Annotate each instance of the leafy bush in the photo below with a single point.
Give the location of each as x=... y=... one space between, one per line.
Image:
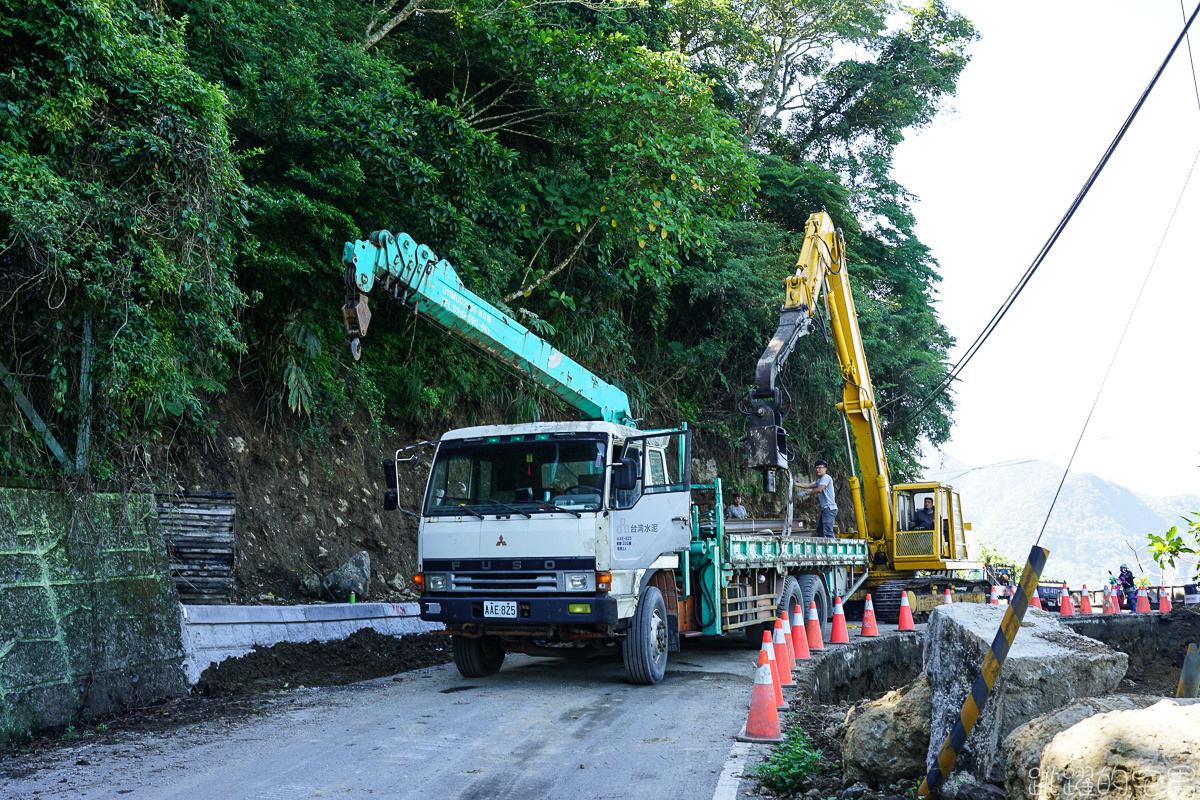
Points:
x=790 y=764
x=1173 y=547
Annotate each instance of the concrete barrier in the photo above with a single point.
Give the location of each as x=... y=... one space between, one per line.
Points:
x=212 y=634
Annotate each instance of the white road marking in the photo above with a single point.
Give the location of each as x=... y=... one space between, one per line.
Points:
x=731 y=775
x=286 y=792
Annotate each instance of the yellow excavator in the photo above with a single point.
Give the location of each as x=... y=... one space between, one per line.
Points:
x=914 y=548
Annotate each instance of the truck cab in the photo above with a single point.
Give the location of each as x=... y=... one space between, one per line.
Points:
x=545 y=531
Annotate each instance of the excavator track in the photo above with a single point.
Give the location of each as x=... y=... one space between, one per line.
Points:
x=924 y=595
x=886 y=600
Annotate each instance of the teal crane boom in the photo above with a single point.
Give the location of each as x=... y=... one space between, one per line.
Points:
x=412 y=274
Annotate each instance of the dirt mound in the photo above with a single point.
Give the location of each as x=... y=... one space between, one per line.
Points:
x=364 y=655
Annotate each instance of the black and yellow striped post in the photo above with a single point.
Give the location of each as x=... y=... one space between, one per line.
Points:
x=992 y=662
x=1189 y=679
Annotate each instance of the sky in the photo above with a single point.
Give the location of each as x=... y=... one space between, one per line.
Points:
x=1047 y=89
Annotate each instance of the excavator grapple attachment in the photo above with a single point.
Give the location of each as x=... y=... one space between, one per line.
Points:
x=356 y=314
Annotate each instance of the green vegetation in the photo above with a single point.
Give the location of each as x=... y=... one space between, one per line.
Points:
x=629 y=180
x=121 y=210
x=1174 y=546
x=790 y=764
x=993 y=559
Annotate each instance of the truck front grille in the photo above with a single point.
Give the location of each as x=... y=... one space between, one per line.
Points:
x=501 y=582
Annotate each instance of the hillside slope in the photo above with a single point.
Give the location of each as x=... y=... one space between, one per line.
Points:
x=1090 y=532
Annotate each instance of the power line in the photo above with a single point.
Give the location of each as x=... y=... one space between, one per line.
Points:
x=1191 y=59
x=1120 y=341
x=954 y=372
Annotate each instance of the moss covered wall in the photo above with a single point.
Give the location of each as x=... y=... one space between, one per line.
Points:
x=89 y=620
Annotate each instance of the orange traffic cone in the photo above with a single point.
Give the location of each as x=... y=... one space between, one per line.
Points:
x=1067 y=607
x=1110 y=601
x=769 y=648
x=1085 y=601
x=868 y=627
x=781 y=655
x=812 y=628
x=1164 y=600
x=906 y=620
x=1143 y=601
x=800 y=640
x=839 y=635
x=1036 y=600
x=947 y=601
x=763 y=723
x=787 y=638
x=995 y=597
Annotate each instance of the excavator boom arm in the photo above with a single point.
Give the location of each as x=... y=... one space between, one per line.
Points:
x=821 y=274
x=822 y=249
x=414 y=275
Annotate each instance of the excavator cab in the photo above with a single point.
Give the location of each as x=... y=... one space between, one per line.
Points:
x=930 y=532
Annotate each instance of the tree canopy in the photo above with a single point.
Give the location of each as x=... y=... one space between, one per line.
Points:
x=630 y=180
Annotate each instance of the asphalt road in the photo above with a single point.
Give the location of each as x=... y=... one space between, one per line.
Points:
x=540 y=728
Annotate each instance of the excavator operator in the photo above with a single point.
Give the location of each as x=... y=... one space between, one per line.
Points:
x=923 y=517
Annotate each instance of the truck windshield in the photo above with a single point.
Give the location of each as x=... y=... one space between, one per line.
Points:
x=534 y=476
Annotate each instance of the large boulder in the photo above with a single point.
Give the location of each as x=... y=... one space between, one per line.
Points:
x=353 y=576
x=1023 y=747
x=1148 y=753
x=1047 y=667
x=885 y=740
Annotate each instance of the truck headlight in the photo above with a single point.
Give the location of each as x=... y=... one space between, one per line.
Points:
x=435 y=582
x=578 y=581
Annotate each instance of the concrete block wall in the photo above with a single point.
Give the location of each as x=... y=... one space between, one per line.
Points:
x=213 y=633
x=89 y=619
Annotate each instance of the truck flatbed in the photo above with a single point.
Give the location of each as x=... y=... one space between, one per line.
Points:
x=761 y=549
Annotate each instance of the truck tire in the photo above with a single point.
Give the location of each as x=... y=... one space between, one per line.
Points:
x=812 y=590
x=646 y=644
x=790 y=596
x=477 y=658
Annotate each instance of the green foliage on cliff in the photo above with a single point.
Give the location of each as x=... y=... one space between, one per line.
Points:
x=121 y=207
x=630 y=181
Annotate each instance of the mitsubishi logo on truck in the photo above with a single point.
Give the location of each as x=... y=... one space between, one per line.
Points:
x=502 y=542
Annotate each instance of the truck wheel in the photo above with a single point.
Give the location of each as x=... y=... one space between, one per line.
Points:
x=812 y=590
x=645 y=647
x=789 y=597
x=477 y=658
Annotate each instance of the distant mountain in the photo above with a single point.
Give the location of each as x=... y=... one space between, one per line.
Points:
x=1089 y=533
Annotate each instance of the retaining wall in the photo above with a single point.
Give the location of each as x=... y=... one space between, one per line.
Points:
x=89 y=619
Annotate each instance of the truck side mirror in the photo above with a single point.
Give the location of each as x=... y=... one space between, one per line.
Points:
x=625 y=475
